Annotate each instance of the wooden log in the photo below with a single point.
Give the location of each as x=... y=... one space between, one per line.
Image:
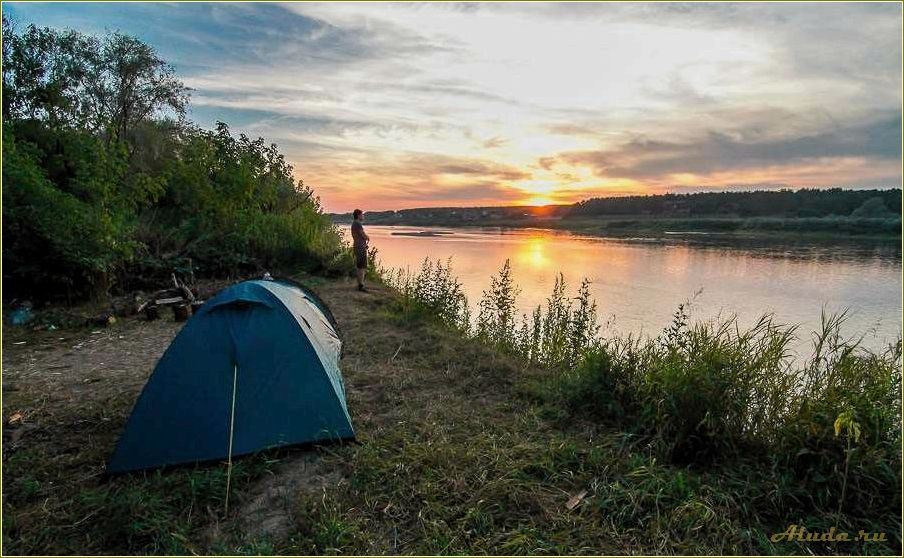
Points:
x=187 y=294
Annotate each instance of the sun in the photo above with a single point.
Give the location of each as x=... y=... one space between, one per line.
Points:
x=537 y=192
x=538 y=201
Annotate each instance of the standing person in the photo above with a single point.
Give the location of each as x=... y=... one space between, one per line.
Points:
x=359 y=243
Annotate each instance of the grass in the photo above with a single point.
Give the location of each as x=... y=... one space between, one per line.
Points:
x=464 y=449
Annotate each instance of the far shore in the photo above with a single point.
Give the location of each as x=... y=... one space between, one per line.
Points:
x=422 y=233
x=825 y=228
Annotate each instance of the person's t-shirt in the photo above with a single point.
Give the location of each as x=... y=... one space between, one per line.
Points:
x=358 y=234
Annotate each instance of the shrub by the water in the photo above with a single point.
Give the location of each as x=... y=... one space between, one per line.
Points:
x=827 y=430
x=433 y=290
x=556 y=335
x=232 y=204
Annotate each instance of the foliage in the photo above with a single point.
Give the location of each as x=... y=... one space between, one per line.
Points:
x=67 y=210
x=496 y=317
x=103 y=85
x=556 y=337
x=433 y=290
x=777 y=203
x=103 y=189
x=232 y=204
x=872 y=207
x=716 y=393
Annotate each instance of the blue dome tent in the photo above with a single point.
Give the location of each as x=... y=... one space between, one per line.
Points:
x=256 y=367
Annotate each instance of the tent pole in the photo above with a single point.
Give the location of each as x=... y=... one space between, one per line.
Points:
x=235 y=375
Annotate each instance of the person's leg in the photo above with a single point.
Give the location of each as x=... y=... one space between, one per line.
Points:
x=360 y=266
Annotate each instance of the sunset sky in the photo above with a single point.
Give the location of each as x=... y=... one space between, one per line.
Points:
x=386 y=106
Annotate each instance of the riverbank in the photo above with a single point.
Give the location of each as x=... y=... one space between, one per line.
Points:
x=459 y=453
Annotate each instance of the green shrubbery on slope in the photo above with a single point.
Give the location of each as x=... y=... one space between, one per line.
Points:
x=106 y=185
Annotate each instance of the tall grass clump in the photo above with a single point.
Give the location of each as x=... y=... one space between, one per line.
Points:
x=432 y=291
x=496 y=320
x=842 y=434
x=556 y=334
x=568 y=328
x=699 y=391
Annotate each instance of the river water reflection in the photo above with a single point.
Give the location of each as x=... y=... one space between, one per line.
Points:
x=639 y=283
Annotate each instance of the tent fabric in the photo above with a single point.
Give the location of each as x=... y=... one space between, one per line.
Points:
x=269 y=345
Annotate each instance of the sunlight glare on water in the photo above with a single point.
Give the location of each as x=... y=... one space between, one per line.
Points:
x=638 y=284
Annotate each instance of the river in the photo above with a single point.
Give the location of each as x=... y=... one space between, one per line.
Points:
x=639 y=283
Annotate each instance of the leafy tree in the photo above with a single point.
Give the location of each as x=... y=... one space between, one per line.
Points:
x=65 y=78
x=127 y=82
x=106 y=185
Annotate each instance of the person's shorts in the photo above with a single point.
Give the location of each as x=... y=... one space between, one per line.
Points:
x=361 y=258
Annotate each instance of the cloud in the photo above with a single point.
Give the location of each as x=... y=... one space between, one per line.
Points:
x=567 y=129
x=430 y=103
x=494 y=142
x=717 y=151
x=440 y=164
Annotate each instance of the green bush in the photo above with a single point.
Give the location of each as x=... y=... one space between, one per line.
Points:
x=842 y=435
x=67 y=234
x=433 y=292
x=828 y=429
x=232 y=206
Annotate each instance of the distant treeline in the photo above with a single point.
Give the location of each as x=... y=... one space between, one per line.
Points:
x=766 y=203
x=454 y=215
x=106 y=185
x=825 y=212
